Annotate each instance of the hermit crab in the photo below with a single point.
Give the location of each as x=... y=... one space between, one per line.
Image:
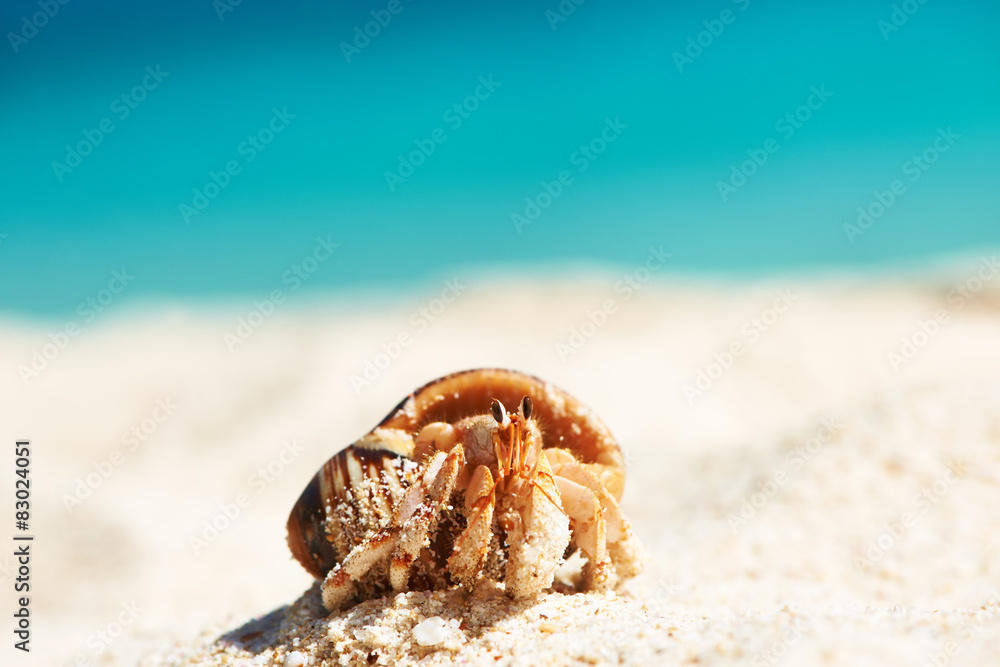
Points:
x=454 y=486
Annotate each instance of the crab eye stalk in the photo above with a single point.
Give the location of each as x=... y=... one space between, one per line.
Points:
x=526 y=407
x=498 y=411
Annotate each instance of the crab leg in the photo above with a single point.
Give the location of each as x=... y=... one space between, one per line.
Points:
x=338 y=586
x=589 y=528
x=537 y=534
x=472 y=545
x=624 y=549
x=404 y=537
x=437 y=486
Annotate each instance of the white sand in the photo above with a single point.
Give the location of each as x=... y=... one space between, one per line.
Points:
x=788 y=586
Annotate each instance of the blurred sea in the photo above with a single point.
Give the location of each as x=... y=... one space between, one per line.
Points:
x=205 y=146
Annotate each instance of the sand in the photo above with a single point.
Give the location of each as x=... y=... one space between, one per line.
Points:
x=820 y=502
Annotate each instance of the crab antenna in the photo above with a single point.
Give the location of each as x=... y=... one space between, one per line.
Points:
x=499 y=455
x=511 y=453
x=515 y=444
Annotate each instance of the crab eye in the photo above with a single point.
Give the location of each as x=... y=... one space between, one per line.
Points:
x=498 y=411
x=526 y=407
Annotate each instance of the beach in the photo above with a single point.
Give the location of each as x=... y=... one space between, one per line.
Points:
x=813 y=465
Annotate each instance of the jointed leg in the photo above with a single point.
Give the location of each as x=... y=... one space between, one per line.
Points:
x=338 y=587
x=409 y=531
x=624 y=549
x=435 y=488
x=472 y=545
x=589 y=528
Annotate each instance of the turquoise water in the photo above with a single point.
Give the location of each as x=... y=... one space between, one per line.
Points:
x=241 y=133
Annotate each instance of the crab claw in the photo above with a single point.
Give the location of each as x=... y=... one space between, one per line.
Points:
x=537 y=534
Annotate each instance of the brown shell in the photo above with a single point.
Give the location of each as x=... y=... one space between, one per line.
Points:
x=371 y=474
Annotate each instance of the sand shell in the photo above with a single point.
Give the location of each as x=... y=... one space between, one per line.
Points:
x=353 y=494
